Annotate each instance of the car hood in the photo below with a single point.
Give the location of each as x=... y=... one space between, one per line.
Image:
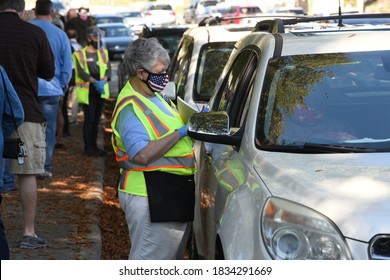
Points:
x=353 y=190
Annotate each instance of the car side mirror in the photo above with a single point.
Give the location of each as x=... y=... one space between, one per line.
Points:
x=213 y=127
x=170 y=90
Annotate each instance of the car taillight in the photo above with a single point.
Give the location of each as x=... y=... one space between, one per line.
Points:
x=148 y=13
x=173 y=13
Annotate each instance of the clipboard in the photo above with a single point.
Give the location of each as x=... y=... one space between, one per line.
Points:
x=185 y=110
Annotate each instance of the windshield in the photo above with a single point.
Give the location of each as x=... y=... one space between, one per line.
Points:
x=132 y=14
x=334 y=99
x=116 y=31
x=108 y=19
x=208 y=3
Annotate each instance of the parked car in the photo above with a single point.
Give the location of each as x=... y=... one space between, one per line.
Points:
x=233 y=13
x=197 y=10
x=117 y=37
x=168 y=35
x=158 y=13
x=293 y=158
x=134 y=19
x=199 y=60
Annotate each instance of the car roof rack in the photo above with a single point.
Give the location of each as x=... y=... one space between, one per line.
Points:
x=278 y=25
x=216 y=20
x=209 y=21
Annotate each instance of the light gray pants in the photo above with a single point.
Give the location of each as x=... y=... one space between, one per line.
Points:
x=151 y=241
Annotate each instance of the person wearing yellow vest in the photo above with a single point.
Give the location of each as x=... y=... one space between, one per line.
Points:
x=156 y=188
x=92 y=73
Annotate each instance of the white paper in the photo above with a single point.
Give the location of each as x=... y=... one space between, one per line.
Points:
x=185 y=109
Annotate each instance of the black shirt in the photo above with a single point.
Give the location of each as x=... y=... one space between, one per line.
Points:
x=25 y=54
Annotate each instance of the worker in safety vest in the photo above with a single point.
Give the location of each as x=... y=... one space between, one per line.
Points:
x=92 y=73
x=156 y=187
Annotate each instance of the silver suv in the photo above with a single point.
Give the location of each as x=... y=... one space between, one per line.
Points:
x=293 y=156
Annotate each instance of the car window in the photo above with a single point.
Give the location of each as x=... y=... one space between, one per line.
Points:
x=212 y=59
x=169 y=42
x=160 y=7
x=179 y=72
x=108 y=19
x=236 y=89
x=132 y=14
x=116 y=31
x=345 y=93
x=250 y=10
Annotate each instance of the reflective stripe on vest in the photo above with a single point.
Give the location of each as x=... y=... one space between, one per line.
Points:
x=103 y=56
x=164 y=162
x=179 y=160
x=80 y=54
x=83 y=85
x=158 y=127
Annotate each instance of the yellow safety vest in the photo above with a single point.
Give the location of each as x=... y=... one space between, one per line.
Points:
x=178 y=160
x=82 y=87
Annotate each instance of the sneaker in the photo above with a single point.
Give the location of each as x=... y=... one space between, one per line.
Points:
x=101 y=152
x=32 y=242
x=45 y=175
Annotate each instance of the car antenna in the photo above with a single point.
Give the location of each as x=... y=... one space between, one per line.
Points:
x=340 y=24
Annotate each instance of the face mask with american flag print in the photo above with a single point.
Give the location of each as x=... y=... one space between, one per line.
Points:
x=157 y=82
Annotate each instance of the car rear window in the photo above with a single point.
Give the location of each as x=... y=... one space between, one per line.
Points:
x=160 y=7
x=250 y=10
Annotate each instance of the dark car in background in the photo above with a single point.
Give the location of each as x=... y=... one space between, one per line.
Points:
x=168 y=35
x=116 y=38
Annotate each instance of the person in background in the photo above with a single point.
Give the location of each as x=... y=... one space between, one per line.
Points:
x=25 y=58
x=80 y=21
x=58 y=21
x=50 y=93
x=92 y=73
x=28 y=15
x=156 y=188
x=70 y=99
x=9 y=183
x=8 y=99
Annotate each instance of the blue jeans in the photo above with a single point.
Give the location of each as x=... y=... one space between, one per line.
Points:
x=49 y=107
x=8 y=176
x=4 y=248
